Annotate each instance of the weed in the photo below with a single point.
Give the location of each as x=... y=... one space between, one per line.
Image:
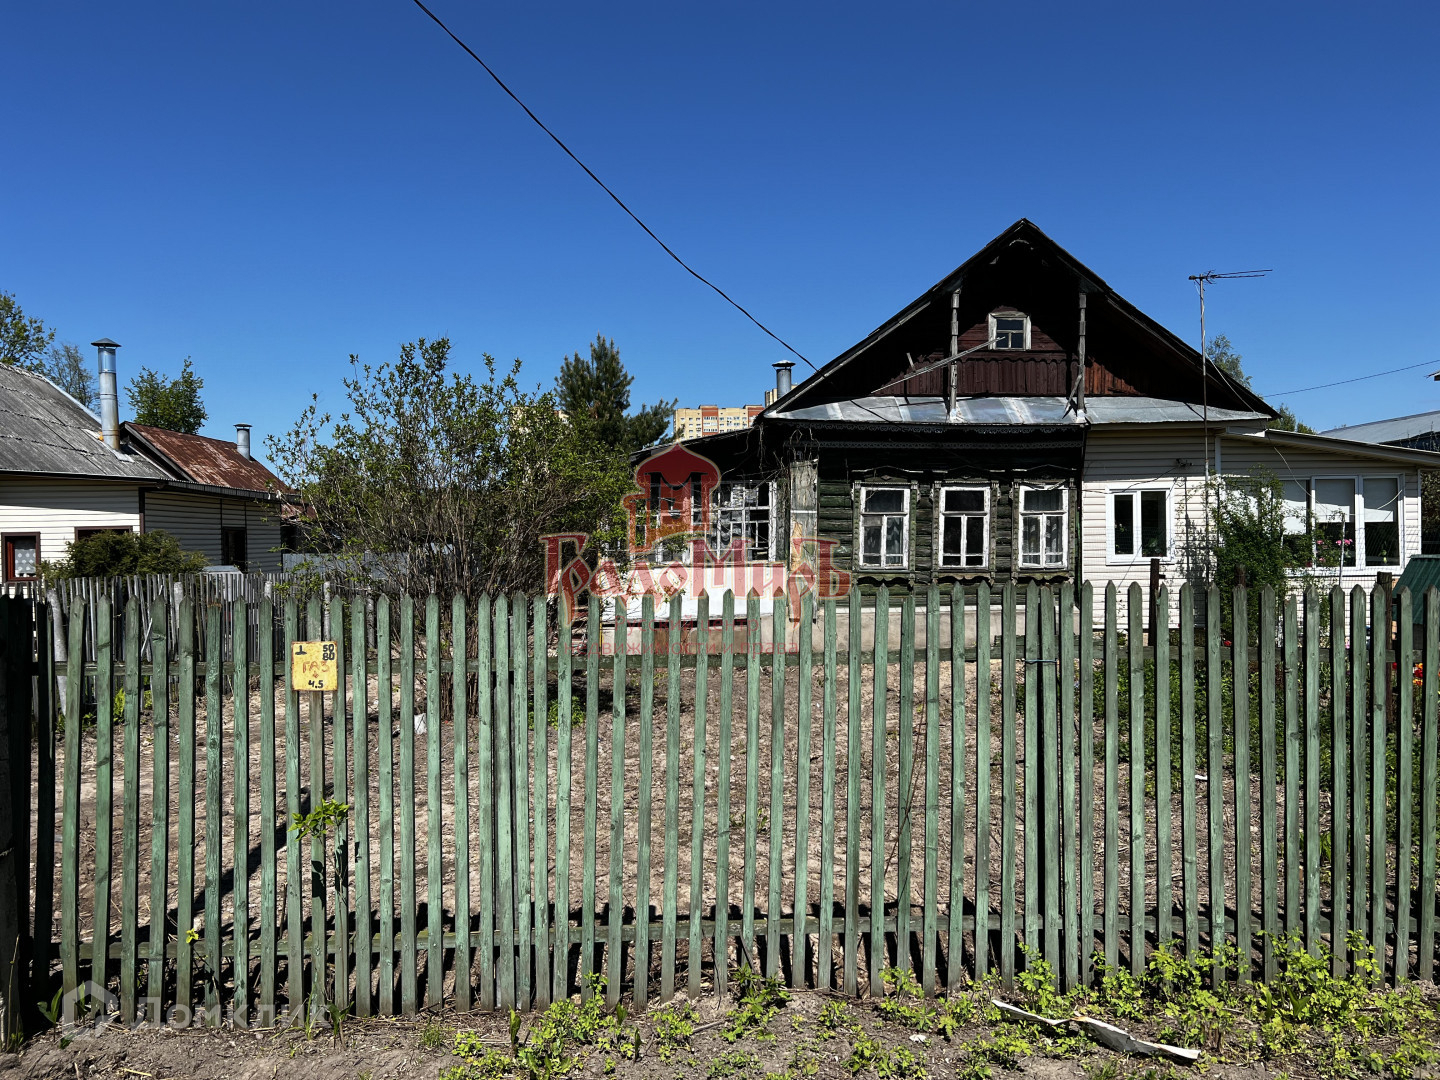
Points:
x=673 y=1028
x=887 y=1063
x=1004 y=1049
x=905 y=1005
x=834 y=1016
x=758 y=1001
x=733 y=1063
x=432 y=1036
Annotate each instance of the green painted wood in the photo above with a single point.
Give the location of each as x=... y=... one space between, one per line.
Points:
x=1135 y=640
x=853 y=753
x=47 y=822
x=752 y=779
x=1189 y=764
x=824 y=953
x=879 y=710
x=160 y=812
x=799 y=946
x=983 y=751
x=505 y=870
x=1404 y=782
x=1239 y=632
x=955 y=930
x=1069 y=839
x=319 y=854
x=540 y=771
x=1008 y=807
x=1312 y=770
x=616 y=911
x=485 y=855
x=1087 y=784
x=1047 y=798
x=695 y=968
x=1339 y=789
x=564 y=738
x=644 y=806
x=930 y=887
x=520 y=741
x=1429 y=743
x=408 y=963
x=360 y=743
x=1269 y=868
x=593 y=642
x=725 y=755
x=1379 y=647
x=1033 y=890
x=385 y=802
x=1214 y=777
x=1290 y=643
x=905 y=791
x=340 y=867
x=130 y=818
x=670 y=880
x=213 y=939
x=1359 y=747
x=70 y=802
x=1164 y=804
x=240 y=852
x=775 y=833
x=434 y=816
x=294 y=799
x=104 y=790
x=185 y=811
x=1112 y=772
x=460 y=727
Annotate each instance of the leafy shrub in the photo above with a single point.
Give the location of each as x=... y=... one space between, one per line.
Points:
x=107 y=554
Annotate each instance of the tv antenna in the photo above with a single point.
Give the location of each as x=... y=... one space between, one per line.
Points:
x=1201 y=280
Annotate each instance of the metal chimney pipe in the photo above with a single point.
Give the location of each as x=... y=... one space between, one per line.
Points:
x=782 y=377
x=242 y=440
x=109 y=397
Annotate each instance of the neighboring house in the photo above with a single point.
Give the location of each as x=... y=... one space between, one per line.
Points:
x=1419 y=431
x=713 y=419
x=1020 y=421
x=60 y=481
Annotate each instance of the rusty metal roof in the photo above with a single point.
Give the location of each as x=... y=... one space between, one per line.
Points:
x=45 y=431
x=202 y=460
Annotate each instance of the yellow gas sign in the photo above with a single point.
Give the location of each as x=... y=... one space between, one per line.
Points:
x=313 y=665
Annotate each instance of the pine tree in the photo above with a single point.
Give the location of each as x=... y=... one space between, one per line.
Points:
x=596 y=393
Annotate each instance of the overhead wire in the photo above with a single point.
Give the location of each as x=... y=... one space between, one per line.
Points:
x=1344 y=382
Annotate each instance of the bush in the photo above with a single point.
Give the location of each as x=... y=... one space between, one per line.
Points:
x=108 y=554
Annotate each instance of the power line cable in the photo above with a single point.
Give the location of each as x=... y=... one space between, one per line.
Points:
x=1344 y=382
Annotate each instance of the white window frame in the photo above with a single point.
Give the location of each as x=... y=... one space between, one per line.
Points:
x=1113 y=557
x=1357 y=519
x=746 y=516
x=994 y=315
x=1020 y=514
x=1362 y=555
x=860 y=515
x=941 y=515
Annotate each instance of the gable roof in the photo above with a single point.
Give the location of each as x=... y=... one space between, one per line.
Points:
x=1384 y=431
x=43 y=430
x=203 y=460
x=1103 y=304
x=1425 y=459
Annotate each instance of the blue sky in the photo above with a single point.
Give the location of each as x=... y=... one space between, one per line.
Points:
x=270 y=187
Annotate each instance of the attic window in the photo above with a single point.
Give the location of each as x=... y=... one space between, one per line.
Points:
x=1010 y=330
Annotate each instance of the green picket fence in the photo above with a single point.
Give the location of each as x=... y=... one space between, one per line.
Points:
x=800 y=795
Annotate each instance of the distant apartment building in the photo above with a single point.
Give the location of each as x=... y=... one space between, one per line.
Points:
x=714 y=419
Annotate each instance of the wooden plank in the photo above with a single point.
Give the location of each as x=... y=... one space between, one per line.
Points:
x=1269 y=868
x=1339 y=789
x=519 y=747
x=1164 y=839
x=644 y=808
x=1112 y=780
x=340 y=867
x=905 y=790
x=1048 y=797
x=670 y=880
x=1429 y=742
x=853 y=615
x=616 y=911
x=434 y=818
x=564 y=737
x=360 y=743
x=955 y=931
x=185 y=815
x=1135 y=639
x=752 y=779
x=1033 y=889
x=1312 y=770
x=240 y=693
x=385 y=750
x=930 y=888
x=46 y=822
x=70 y=802
x=1087 y=786
x=779 y=621
x=724 y=755
x=593 y=636
x=1359 y=745
x=319 y=855
x=1008 y=808
x=697 y=799
x=824 y=953
x=982 y=778
x=1405 y=782
x=540 y=771
x=1239 y=632
x=877 y=792
x=130 y=829
x=460 y=727
x=408 y=963
x=1215 y=779
x=160 y=812
x=214 y=774
x=294 y=915
x=1189 y=867
x=1067 y=681
x=1290 y=643
x=505 y=998
x=1379 y=739
x=104 y=790
x=799 y=944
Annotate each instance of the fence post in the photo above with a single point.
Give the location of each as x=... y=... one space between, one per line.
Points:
x=15 y=636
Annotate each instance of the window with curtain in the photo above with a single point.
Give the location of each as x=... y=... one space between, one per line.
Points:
x=1042 y=527
x=1335 y=520
x=1381 y=539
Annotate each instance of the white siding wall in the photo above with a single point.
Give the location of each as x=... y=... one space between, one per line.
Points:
x=56 y=508
x=1153 y=457
x=196 y=521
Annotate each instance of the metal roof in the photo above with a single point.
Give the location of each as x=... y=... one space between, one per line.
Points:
x=1421 y=572
x=1388 y=431
x=1015 y=411
x=202 y=460
x=1425 y=459
x=44 y=430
